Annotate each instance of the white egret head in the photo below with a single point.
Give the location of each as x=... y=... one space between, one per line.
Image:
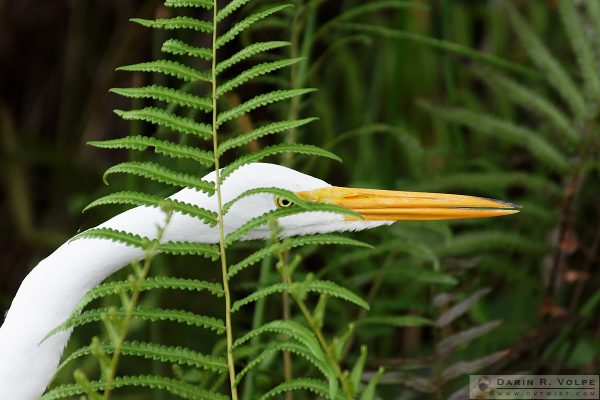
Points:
x=377 y=207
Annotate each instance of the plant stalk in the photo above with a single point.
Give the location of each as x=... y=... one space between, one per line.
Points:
x=228 y=326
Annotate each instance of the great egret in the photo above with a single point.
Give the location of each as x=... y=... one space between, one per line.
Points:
x=54 y=287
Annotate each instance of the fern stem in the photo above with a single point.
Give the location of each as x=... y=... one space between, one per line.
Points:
x=314 y=326
x=228 y=326
x=132 y=304
x=310 y=319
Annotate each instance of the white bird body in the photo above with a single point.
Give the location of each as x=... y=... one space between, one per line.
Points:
x=52 y=290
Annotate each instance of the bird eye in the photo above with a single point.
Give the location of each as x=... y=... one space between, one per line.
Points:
x=280 y=202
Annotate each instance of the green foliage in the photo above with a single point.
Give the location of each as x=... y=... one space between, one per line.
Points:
x=527 y=135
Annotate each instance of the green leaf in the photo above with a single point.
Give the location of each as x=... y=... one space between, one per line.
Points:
x=167 y=67
x=290 y=347
x=143 y=199
x=357 y=371
x=114 y=235
x=369 y=393
x=180 y=48
x=276 y=149
x=486 y=124
x=229 y=8
x=150 y=351
x=551 y=68
x=145 y=314
x=317 y=387
x=247 y=23
x=175 y=387
x=247 y=52
x=321 y=287
x=259 y=101
x=290 y=328
x=256 y=71
x=208 y=4
x=487 y=182
x=161 y=174
x=290 y=243
x=489 y=241
x=167 y=119
x=152 y=283
x=168 y=95
x=443 y=45
x=369 y=7
x=269 y=129
x=527 y=98
x=397 y=321
x=163 y=147
x=581 y=45
x=191 y=248
x=175 y=23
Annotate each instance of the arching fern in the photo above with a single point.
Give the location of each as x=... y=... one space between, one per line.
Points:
x=192 y=110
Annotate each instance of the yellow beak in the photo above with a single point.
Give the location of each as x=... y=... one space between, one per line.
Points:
x=391 y=205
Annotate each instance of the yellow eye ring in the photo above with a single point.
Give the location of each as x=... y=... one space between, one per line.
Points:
x=281 y=202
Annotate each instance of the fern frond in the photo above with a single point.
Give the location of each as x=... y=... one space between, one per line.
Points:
x=444 y=45
x=247 y=52
x=138 y=198
x=284 y=212
x=269 y=129
x=114 y=235
x=286 y=194
x=247 y=23
x=290 y=328
x=167 y=119
x=163 y=147
x=254 y=72
x=540 y=148
x=369 y=392
x=399 y=321
x=259 y=101
x=191 y=249
x=146 y=314
x=527 y=98
x=322 y=287
x=168 y=95
x=476 y=243
x=359 y=366
x=175 y=23
x=143 y=199
x=484 y=183
x=152 y=283
x=290 y=243
x=150 y=351
x=580 y=43
x=305 y=149
x=161 y=174
x=208 y=4
x=317 y=387
x=541 y=56
x=290 y=347
x=173 y=386
x=180 y=48
x=229 y=8
x=369 y=7
x=168 y=67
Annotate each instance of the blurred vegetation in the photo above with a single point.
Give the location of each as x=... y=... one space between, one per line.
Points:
x=487 y=98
